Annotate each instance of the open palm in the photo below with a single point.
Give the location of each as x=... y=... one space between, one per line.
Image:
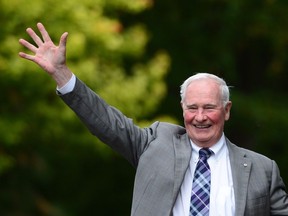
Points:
x=46 y=54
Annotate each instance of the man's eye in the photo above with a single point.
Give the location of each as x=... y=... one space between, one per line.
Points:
x=192 y=109
x=209 y=107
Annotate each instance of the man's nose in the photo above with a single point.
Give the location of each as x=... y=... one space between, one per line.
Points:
x=200 y=115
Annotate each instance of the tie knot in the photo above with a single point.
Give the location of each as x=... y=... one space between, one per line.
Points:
x=205 y=153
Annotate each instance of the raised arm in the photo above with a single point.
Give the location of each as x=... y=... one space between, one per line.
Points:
x=47 y=55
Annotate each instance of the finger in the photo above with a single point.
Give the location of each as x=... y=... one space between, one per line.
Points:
x=43 y=32
x=27 y=56
x=63 y=40
x=62 y=43
x=34 y=36
x=28 y=45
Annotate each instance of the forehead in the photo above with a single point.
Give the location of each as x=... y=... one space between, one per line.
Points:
x=203 y=90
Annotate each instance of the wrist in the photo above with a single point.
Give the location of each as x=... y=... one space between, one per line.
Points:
x=62 y=76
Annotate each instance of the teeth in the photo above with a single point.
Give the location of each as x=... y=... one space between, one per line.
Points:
x=202 y=126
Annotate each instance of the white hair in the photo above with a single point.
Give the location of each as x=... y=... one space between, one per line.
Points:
x=224 y=89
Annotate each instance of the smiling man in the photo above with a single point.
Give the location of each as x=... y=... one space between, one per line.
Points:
x=180 y=171
x=205 y=108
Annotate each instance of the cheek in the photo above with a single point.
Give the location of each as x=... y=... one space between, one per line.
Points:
x=188 y=117
x=216 y=117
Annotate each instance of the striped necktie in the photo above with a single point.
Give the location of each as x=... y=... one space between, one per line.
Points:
x=199 y=205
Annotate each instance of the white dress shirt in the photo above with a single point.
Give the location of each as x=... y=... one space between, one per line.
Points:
x=222 y=201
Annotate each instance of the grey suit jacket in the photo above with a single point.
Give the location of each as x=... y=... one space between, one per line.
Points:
x=161 y=154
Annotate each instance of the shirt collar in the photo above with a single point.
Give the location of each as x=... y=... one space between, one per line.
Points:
x=216 y=148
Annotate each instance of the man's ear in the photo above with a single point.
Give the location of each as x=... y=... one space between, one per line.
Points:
x=227 y=109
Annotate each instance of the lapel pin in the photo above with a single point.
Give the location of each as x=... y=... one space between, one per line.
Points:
x=245 y=164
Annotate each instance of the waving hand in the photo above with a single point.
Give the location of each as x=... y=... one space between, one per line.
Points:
x=47 y=55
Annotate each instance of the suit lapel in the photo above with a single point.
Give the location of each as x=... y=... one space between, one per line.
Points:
x=240 y=167
x=183 y=151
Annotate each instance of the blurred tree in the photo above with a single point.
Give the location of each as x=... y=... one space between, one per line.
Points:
x=49 y=164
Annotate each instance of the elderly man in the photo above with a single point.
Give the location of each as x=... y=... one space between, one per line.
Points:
x=181 y=171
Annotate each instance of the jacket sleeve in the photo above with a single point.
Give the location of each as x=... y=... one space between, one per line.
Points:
x=108 y=124
x=278 y=196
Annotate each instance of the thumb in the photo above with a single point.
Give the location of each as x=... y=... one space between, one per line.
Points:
x=63 y=41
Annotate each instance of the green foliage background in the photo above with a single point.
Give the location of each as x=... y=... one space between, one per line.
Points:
x=135 y=54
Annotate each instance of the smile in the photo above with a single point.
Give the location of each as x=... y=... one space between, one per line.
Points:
x=202 y=126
